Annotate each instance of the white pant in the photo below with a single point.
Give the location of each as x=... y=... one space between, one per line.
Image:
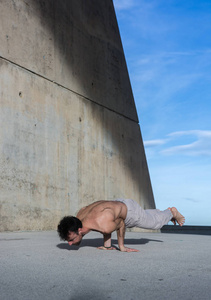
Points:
x=145 y=218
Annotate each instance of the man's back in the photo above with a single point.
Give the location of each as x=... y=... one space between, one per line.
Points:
x=98 y=215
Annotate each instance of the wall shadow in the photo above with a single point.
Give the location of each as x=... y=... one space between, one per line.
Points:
x=79 y=29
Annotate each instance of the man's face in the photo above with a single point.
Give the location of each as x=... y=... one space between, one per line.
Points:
x=74 y=238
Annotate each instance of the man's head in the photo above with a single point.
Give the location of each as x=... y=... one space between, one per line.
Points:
x=70 y=229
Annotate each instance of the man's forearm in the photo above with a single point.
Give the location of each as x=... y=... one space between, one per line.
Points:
x=121 y=236
x=107 y=240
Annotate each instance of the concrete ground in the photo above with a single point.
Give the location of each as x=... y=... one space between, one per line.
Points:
x=37 y=265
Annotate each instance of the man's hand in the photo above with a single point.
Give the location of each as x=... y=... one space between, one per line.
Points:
x=121 y=235
x=106 y=248
x=126 y=249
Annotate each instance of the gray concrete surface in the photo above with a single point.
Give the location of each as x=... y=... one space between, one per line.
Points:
x=37 y=265
x=76 y=44
x=67 y=116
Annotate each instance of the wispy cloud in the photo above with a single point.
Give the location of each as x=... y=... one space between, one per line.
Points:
x=123 y=4
x=192 y=200
x=198 y=133
x=200 y=146
x=154 y=143
x=166 y=72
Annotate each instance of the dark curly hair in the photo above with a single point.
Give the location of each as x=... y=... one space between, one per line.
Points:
x=67 y=224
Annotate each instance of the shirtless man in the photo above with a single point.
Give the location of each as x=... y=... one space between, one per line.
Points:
x=108 y=216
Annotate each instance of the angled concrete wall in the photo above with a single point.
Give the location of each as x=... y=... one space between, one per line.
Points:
x=69 y=132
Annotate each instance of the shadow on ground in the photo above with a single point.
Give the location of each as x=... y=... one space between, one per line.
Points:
x=99 y=242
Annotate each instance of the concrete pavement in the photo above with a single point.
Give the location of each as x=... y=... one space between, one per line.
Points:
x=37 y=265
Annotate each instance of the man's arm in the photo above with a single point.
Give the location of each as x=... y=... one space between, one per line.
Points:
x=107 y=240
x=121 y=236
x=107 y=224
x=107 y=243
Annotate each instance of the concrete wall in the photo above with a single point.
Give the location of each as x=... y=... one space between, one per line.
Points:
x=69 y=132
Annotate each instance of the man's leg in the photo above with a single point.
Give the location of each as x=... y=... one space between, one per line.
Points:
x=156 y=219
x=149 y=218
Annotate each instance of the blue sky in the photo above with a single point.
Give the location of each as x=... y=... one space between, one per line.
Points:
x=167 y=45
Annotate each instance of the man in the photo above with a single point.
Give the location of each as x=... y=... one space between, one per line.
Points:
x=108 y=216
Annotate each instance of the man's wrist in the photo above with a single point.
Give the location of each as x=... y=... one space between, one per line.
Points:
x=121 y=248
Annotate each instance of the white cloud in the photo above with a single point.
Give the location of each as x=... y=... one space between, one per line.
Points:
x=202 y=145
x=123 y=4
x=198 y=133
x=154 y=143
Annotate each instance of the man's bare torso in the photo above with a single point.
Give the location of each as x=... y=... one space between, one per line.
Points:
x=103 y=215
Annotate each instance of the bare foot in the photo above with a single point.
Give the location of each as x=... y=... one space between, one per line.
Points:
x=177 y=217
